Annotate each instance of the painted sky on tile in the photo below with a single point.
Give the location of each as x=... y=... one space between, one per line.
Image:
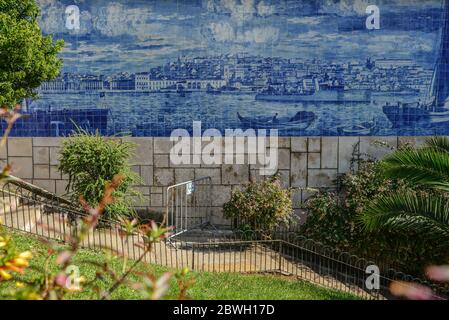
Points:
x=127 y=35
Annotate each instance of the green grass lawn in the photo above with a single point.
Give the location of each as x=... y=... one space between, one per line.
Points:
x=208 y=286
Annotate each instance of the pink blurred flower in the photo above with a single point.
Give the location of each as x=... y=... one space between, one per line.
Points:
x=411 y=291
x=61 y=279
x=438 y=273
x=63 y=257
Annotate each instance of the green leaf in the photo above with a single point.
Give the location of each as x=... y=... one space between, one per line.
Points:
x=404 y=212
x=425 y=167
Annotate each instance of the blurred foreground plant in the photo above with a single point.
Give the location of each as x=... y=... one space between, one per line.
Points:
x=413 y=291
x=11 y=260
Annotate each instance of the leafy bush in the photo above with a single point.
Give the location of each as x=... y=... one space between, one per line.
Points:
x=90 y=161
x=260 y=205
x=334 y=218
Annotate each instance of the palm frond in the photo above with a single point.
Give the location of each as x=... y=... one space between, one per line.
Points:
x=427 y=167
x=428 y=214
x=440 y=144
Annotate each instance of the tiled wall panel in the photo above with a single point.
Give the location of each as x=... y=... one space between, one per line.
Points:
x=306 y=68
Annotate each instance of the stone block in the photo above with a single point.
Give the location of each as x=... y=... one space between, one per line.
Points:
x=164 y=177
x=283 y=159
x=314 y=144
x=419 y=141
x=161 y=160
x=255 y=176
x=182 y=165
x=156 y=189
x=41 y=171
x=48 y=185
x=314 y=160
x=284 y=178
x=296 y=198
x=3 y=164
x=211 y=146
x=298 y=144
x=213 y=173
x=321 y=178
x=54 y=156
x=220 y=195
x=234 y=174
x=208 y=166
x=136 y=169
x=402 y=141
x=145 y=190
x=162 y=145
x=61 y=186
x=146 y=173
x=47 y=142
x=240 y=159
x=345 y=150
x=218 y=219
x=237 y=187
x=142 y=201
x=41 y=155
x=184 y=175
x=377 y=147
x=156 y=200
x=243 y=145
x=55 y=173
x=298 y=170
x=22 y=167
x=20 y=147
x=284 y=142
x=307 y=194
x=329 y=152
x=143 y=153
x=4 y=151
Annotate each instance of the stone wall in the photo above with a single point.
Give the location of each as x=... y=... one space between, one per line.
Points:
x=303 y=162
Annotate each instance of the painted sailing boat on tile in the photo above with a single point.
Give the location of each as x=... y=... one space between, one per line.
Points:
x=436 y=109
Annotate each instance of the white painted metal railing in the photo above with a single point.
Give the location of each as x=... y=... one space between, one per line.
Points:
x=189 y=205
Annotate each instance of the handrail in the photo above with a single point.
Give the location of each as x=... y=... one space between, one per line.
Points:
x=57 y=200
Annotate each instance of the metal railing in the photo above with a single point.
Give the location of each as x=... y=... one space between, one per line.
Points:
x=30 y=209
x=189 y=205
x=27 y=208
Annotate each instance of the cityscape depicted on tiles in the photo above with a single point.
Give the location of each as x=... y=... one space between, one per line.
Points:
x=309 y=68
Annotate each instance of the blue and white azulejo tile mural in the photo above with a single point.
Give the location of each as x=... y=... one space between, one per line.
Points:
x=304 y=67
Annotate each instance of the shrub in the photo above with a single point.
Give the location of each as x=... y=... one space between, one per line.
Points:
x=90 y=161
x=260 y=205
x=334 y=219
